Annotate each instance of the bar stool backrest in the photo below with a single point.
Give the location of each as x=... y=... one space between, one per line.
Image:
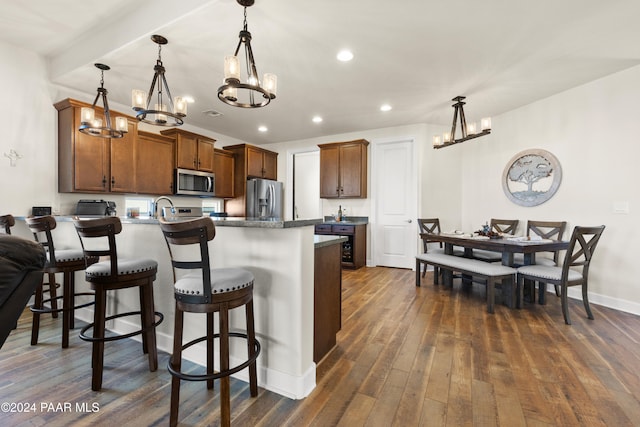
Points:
x=195 y=232
x=41 y=227
x=6 y=222
x=104 y=230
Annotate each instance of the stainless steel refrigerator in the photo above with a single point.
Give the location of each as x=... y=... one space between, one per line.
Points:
x=264 y=199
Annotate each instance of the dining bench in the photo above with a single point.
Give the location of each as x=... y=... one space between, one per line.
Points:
x=489 y=271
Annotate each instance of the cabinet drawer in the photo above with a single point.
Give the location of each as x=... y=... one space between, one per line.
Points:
x=343 y=229
x=323 y=229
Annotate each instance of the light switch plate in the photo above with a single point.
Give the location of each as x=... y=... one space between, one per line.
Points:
x=621 y=207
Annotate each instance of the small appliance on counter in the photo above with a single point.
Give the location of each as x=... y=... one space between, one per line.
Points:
x=94 y=208
x=264 y=199
x=177 y=213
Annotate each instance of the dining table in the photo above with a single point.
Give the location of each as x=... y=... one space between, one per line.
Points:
x=507 y=245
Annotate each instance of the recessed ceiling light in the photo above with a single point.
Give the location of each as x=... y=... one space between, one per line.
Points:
x=317 y=119
x=345 y=55
x=385 y=107
x=263 y=129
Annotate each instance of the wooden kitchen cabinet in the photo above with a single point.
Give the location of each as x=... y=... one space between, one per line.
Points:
x=91 y=164
x=193 y=151
x=223 y=165
x=250 y=162
x=343 y=169
x=154 y=164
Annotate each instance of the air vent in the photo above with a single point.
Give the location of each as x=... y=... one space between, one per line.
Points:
x=212 y=113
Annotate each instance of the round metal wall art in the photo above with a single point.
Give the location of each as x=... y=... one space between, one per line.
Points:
x=531 y=177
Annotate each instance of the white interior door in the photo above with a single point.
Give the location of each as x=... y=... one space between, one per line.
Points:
x=306 y=185
x=395 y=183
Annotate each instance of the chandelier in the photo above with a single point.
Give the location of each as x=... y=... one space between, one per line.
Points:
x=251 y=94
x=93 y=126
x=469 y=131
x=155 y=108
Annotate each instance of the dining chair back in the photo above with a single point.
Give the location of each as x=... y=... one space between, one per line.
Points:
x=6 y=222
x=574 y=270
x=504 y=226
x=428 y=226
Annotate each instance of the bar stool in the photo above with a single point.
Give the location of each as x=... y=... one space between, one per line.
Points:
x=6 y=222
x=65 y=261
x=112 y=274
x=208 y=291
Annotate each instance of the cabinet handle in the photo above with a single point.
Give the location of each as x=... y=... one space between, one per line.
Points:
x=113 y=181
x=104 y=181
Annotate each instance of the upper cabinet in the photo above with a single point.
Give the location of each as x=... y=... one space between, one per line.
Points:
x=343 y=169
x=224 y=169
x=154 y=164
x=91 y=164
x=250 y=162
x=258 y=162
x=193 y=151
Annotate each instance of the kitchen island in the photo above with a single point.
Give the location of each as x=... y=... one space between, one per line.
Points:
x=280 y=254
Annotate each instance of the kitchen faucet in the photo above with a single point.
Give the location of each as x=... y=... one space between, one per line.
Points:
x=155 y=205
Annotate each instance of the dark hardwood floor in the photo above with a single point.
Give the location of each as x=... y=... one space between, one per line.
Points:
x=406 y=356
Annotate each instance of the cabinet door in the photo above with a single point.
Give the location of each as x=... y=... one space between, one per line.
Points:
x=154 y=164
x=224 y=169
x=123 y=177
x=351 y=174
x=187 y=151
x=91 y=160
x=270 y=165
x=205 y=155
x=255 y=167
x=329 y=181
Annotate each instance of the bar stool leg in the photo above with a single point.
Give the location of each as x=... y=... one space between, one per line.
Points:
x=149 y=317
x=67 y=308
x=176 y=364
x=97 y=356
x=210 y=348
x=72 y=308
x=143 y=319
x=225 y=392
x=251 y=337
x=53 y=294
x=35 y=323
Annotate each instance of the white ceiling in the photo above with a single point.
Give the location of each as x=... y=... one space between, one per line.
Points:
x=412 y=54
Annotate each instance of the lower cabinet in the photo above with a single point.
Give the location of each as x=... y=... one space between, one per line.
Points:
x=327 y=304
x=354 y=250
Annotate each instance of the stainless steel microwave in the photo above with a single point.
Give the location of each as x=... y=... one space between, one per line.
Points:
x=194 y=183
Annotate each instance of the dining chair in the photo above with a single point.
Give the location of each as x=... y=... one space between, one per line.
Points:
x=503 y=226
x=574 y=270
x=553 y=230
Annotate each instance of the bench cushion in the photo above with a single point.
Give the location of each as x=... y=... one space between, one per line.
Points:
x=548 y=272
x=467 y=265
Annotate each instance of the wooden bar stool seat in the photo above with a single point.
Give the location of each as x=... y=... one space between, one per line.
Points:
x=65 y=261
x=208 y=291
x=112 y=274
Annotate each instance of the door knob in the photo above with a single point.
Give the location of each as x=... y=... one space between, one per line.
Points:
x=407 y=220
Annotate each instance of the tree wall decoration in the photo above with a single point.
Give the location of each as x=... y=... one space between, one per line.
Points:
x=531 y=177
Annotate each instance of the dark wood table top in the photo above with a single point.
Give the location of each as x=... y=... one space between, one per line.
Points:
x=504 y=244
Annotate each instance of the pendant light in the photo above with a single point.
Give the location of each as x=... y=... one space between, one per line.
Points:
x=93 y=126
x=252 y=93
x=469 y=131
x=157 y=107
